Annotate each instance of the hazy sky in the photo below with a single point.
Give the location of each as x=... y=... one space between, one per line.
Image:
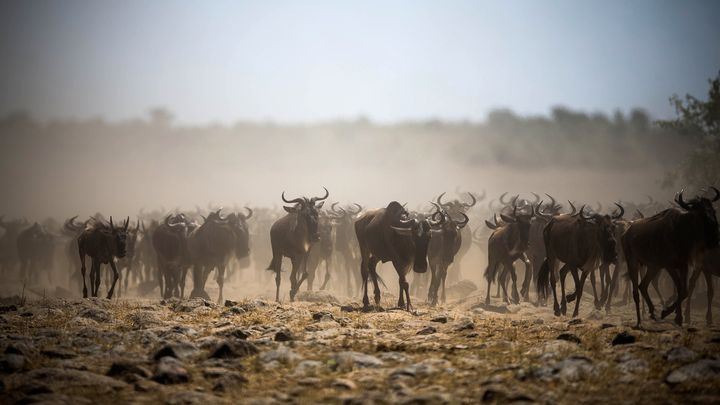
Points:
x=316 y=60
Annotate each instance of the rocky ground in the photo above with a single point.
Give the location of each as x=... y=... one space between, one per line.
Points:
x=320 y=349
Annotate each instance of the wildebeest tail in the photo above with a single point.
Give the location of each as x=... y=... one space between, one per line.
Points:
x=491 y=272
x=543 y=280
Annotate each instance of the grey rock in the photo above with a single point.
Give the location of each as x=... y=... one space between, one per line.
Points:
x=170 y=370
x=428 y=330
x=233 y=349
x=95 y=314
x=128 y=369
x=179 y=350
x=68 y=378
x=308 y=368
x=343 y=383
x=700 y=371
x=349 y=360
x=681 y=354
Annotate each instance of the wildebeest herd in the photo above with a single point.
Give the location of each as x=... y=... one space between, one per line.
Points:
x=158 y=250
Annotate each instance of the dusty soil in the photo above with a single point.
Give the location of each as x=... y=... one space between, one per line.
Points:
x=324 y=349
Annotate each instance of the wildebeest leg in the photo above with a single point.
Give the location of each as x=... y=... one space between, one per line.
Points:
x=303 y=273
x=679 y=276
x=294 y=284
x=116 y=275
x=563 y=300
x=434 y=282
x=529 y=273
x=373 y=276
x=579 y=290
x=612 y=287
x=656 y=286
x=691 y=288
x=710 y=293
x=443 y=275
x=596 y=298
x=500 y=280
x=183 y=276
x=327 y=275
x=491 y=270
x=402 y=271
x=365 y=273
x=221 y=280
x=96 y=270
x=650 y=274
x=82 y=272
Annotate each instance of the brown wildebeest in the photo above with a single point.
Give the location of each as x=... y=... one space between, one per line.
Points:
x=345 y=245
x=710 y=267
x=456 y=209
x=507 y=244
x=292 y=236
x=170 y=243
x=210 y=246
x=322 y=251
x=103 y=243
x=580 y=242
x=35 y=248
x=388 y=235
x=670 y=240
x=444 y=246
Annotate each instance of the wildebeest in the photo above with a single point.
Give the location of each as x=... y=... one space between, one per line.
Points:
x=322 y=251
x=35 y=249
x=210 y=246
x=345 y=245
x=507 y=244
x=670 y=240
x=582 y=243
x=103 y=243
x=455 y=209
x=292 y=236
x=444 y=246
x=71 y=230
x=238 y=224
x=125 y=264
x=8 y=244
x=710 y=267
x=387 y=234
x=170 y=242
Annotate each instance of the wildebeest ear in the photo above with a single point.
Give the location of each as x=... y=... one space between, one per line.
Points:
x=291 y=210
x=402 y=231
x=490 y=225
x=318 y=206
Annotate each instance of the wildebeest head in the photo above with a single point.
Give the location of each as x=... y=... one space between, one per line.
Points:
x=14 y=226
x=456 y=207
x=117 y=237
x=306 y=210
x=606 y=230
x=419 y=230
x=238 y=223
x=703 y=208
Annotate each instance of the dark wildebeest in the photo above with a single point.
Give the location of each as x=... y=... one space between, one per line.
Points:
x=345 y=245
x=710 y=267
x=536 y=243
x=580 y=242
x=103 y=243
x=507 y=244
x=455 y=209
x=35 y=249
x=210 y=246
x=670 y=240
x=387 y=234
x=71 y=230
x=241 y=230
x=292 y=236
x=322 y=251
x=8 y=244
x=444 y=246
x=170 y=242
x=125 y=264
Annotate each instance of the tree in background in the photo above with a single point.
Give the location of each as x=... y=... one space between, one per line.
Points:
x=700 y=121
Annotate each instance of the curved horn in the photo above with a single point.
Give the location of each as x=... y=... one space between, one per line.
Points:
x=250 y=212
x=438 y=211
x=599 y=207
x=582 y=214
x=489 y=225
x=315 y=199
x=127 y=223
x=507 y=218
x=111 y=223
x=333 y=207
x=464 y=222
x=572 y=207
x=359 y=209
x=537 y=211
x=717 y=194
x=474 y=201
x=502 y=199
x=293 y=201
x=553 y=203
x=439 y=199
x=680 y=201
x=639 y=214
x=620 y=213
x=537 y=198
